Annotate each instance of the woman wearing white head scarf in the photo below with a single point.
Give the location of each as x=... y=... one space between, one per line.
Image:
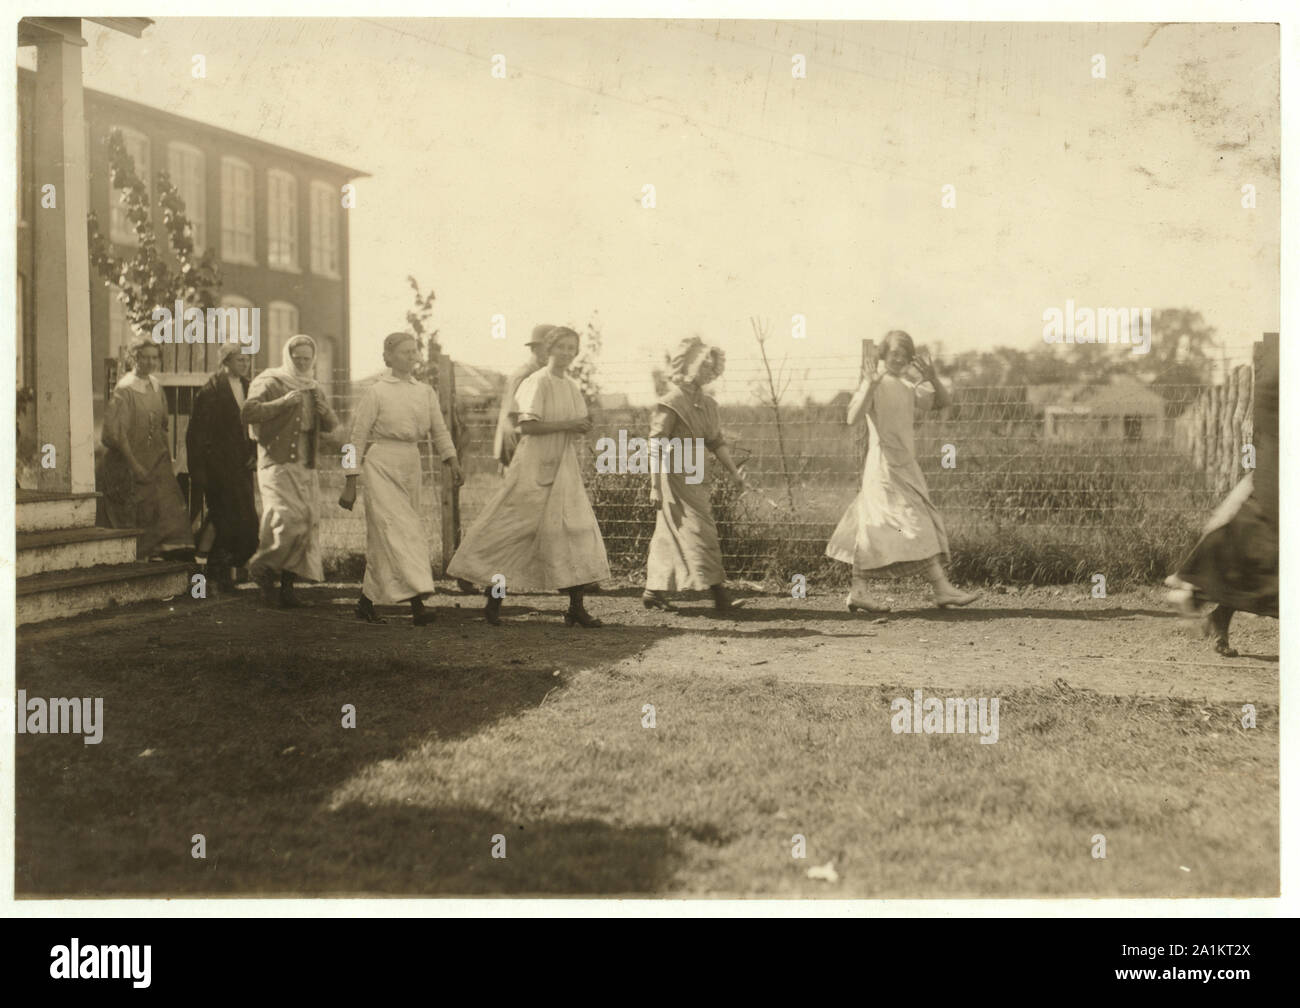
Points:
x=288 y=412
x=685 y=553
x=140 y=489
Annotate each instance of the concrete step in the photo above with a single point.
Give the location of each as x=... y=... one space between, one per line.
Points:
x=73 y=548
x=35 y=511
x=54 y=594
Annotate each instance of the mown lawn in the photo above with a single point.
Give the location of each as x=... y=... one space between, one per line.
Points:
x=215 y=724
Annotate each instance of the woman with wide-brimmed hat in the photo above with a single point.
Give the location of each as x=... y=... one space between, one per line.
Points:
x=539 y=532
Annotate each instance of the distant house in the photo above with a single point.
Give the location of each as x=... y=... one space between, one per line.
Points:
x=478 y=386
x=1125 y=409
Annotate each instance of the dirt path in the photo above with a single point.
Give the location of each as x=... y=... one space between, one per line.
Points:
x=1128 y=644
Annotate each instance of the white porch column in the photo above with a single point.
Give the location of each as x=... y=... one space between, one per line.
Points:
x=64 y=392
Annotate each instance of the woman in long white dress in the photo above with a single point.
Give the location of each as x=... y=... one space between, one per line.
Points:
x=393 y=416
x=892 y=529
x=539 y=532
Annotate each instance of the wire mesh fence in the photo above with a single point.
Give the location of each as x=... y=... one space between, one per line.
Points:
x=1039 y=483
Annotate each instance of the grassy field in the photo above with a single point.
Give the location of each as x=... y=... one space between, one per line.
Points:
x=224 y=718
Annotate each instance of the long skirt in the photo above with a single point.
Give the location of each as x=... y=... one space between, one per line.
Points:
x=684 y=553
x=289 y=538
x=397 y=549
x=153 y=505
x=1235 y=562
x=538 y=535
x=232 y=510
x=891 y=529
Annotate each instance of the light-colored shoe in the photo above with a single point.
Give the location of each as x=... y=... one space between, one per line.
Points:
x=866 y=605
x=1184 y=600
x=954 y=597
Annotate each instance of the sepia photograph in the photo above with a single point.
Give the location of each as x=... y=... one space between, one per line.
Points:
x=646 y=459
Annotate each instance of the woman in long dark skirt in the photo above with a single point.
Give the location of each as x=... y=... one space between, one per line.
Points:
x=223 y=460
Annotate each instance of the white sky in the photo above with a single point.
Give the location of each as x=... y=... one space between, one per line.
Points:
x=775 y=196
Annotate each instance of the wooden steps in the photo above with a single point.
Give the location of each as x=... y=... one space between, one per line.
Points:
x=44 y=512
x=73 y=548
x=66 y=566
x=54 y=594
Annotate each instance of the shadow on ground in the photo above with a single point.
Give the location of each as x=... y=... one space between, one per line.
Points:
x=225 y=719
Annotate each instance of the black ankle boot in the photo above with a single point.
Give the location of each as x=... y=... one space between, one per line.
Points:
x=421 y=616
x=366 y=611
x=656 y=600
x=492 y=611
x=289 y=599
x=577 y=613
x=722 y=600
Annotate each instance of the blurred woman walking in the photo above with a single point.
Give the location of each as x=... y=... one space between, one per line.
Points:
x=539 y=532
x=685 y=554
x=1234 y=566
x=288 y=412
x=394 y=415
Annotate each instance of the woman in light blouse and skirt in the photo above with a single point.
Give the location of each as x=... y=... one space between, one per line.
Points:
x=539 y=532
x=287 y=412
x=392 y=418
x=685 y=553
x=140 y=489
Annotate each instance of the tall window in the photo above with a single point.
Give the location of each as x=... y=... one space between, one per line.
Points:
x=237 y=211
x=325 y=365
x=185 y=166
x=324 y=229
x=282 y=223
x=282 y=325
x=137 y=145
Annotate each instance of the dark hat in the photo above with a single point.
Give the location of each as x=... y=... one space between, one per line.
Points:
x=540 y=332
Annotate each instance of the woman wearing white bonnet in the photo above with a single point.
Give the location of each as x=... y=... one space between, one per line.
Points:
x=685 y=554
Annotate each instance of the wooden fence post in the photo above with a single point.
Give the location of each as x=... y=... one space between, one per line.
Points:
x=1266 y=350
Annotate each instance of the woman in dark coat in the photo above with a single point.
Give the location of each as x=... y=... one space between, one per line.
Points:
x=222 y=461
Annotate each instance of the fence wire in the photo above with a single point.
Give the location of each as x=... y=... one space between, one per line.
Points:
x=1064 y=463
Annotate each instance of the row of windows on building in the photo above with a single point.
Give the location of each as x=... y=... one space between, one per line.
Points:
x=280 y=323
x=187 y=169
